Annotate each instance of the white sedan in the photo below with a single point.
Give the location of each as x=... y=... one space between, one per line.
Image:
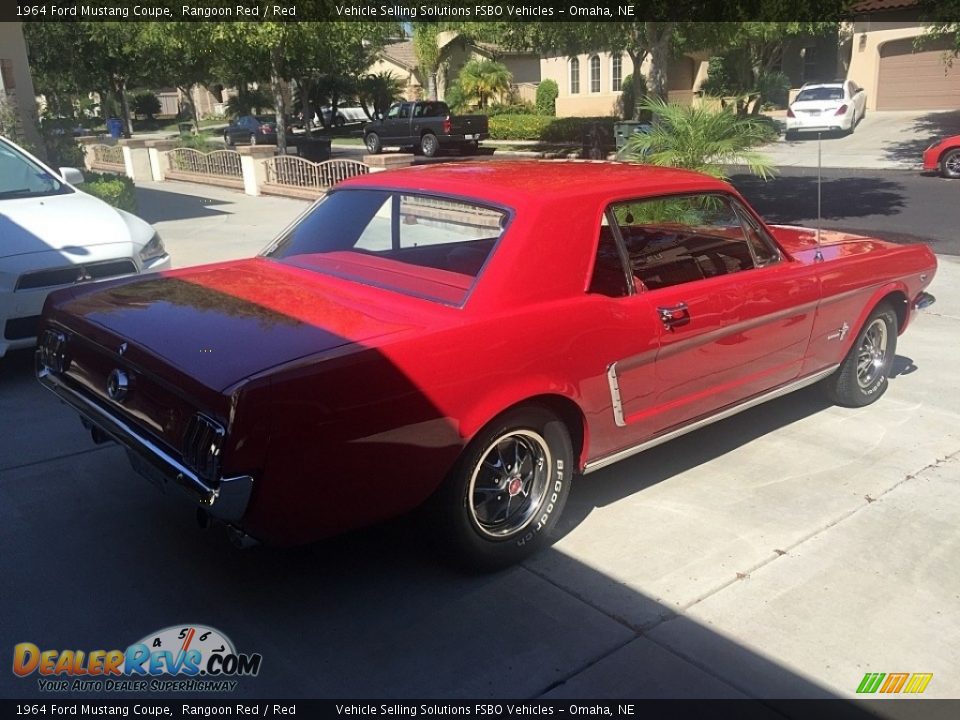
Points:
x=53 y=236
x=825 y=107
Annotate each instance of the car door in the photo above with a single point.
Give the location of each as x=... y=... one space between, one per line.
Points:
x=396 y=126
x=731 y=321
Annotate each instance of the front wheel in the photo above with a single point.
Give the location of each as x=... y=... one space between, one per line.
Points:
x=862 y=377
x=950 y=164
x=507 y=491
x=372 y=141
x=429 y=145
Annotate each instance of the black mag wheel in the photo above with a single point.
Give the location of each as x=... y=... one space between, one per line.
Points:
x=508 y=490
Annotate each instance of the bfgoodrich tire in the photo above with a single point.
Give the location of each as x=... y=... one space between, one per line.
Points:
x=507 y=491
x=863 y=376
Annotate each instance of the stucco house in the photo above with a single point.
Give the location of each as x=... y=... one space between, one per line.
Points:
x=399 y=58
x=16 y=84
x=897 y=72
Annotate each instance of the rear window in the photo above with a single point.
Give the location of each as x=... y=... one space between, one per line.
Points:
x=419 y=245
x=820 y=93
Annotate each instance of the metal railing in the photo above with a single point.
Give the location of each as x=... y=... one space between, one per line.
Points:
x=108 y=156
x=216 y=164
x=287 y=171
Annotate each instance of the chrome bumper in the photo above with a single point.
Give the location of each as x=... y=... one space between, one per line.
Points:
x=228 y=501
x=923 y=300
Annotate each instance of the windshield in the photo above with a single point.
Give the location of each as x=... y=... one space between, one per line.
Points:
x=418 y=245
x=21 y=177
x=820 y=93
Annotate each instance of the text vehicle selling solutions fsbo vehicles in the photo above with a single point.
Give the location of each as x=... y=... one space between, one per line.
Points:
x=473 y=337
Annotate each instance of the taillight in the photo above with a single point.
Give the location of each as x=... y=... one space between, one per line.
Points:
x=841 y=110
x=201 y=447
x=790 y=113
x=53 y=351
x=447 y=125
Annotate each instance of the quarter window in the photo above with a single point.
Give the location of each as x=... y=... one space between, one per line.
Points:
x=574 y=76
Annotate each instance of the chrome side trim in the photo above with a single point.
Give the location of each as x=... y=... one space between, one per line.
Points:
x=615 y=395
x=228 y=501
x=709 y=420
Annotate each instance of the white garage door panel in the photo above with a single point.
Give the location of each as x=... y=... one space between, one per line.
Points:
x=912 y=80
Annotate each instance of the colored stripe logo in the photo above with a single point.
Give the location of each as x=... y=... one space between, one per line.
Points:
x=913 y=683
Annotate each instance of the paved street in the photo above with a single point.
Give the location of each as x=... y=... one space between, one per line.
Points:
x=784 y=552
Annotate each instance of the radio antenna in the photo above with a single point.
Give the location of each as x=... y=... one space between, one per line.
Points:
x=818 y=255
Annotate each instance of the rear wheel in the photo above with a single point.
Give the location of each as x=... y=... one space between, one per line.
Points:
x=950 y=164
x=372 y=141
x=228 y=139
x=507 y=492
x=429 y=145
x=862 y=377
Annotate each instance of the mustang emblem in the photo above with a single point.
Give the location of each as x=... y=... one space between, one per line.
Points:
x=118 y=384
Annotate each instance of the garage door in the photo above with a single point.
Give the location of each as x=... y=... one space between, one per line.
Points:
x=912 y=80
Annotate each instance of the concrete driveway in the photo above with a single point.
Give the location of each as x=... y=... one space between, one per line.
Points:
x=884 y=139
x=784 y=552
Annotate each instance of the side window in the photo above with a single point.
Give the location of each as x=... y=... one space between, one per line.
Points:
x=397 y=111
x=609 y=277
x=761 y=245
x=684 y=238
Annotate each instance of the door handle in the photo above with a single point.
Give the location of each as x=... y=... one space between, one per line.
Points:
x=674 y=315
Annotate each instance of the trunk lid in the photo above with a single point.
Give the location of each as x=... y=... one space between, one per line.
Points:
x=222 y=323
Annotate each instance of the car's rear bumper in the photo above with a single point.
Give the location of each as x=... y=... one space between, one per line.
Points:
x=822 y=123
x=226 y=500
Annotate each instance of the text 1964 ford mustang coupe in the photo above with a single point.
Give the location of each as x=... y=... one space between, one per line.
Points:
x=472 y=336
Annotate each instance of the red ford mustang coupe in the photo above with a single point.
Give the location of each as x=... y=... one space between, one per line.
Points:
x=472 y=336
x=943 y=156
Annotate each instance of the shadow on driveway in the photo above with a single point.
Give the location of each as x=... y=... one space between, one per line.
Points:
x=157 y=206
x=790 y=199
x=921 y=133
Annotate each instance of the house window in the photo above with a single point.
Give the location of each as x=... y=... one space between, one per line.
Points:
x=574 y=76
x=595 y=74
x=7 y=81
x=616 y=73
x=810 y=65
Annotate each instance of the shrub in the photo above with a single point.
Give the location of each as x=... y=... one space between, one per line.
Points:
x=518 y=127
x=115 y=190
x=544 y=128
x=547 y=92
x=521 y=108
x=146 y=104
x=195 y=142
x=629 y=97
x=63 y=151
x=774 y=88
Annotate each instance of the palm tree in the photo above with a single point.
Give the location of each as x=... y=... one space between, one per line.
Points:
x=377 y=92
x=701 y=139
x=483 y=79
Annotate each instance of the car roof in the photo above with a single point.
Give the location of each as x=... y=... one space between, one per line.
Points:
x=540 y=181
x=825 y=83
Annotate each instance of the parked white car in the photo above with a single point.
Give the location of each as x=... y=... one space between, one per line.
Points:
x=825 y=107
x=344 y=115
x=53 y=236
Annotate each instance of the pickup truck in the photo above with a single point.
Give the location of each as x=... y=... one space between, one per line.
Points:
x=427 y=126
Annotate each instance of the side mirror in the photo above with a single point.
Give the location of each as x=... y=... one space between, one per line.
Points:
x=71 y=175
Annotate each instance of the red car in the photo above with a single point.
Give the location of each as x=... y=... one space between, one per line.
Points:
x=943 y=156
x=474 y=337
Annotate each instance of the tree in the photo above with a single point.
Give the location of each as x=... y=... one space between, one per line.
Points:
x=427 y=50
x=697 y=138
x=481 y=79
x=146 y=104
x=377 y=92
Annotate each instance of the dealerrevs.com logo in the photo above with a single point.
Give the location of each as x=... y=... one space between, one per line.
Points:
x=180 y=658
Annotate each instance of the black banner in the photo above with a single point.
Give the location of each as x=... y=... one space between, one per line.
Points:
x=451 y=10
